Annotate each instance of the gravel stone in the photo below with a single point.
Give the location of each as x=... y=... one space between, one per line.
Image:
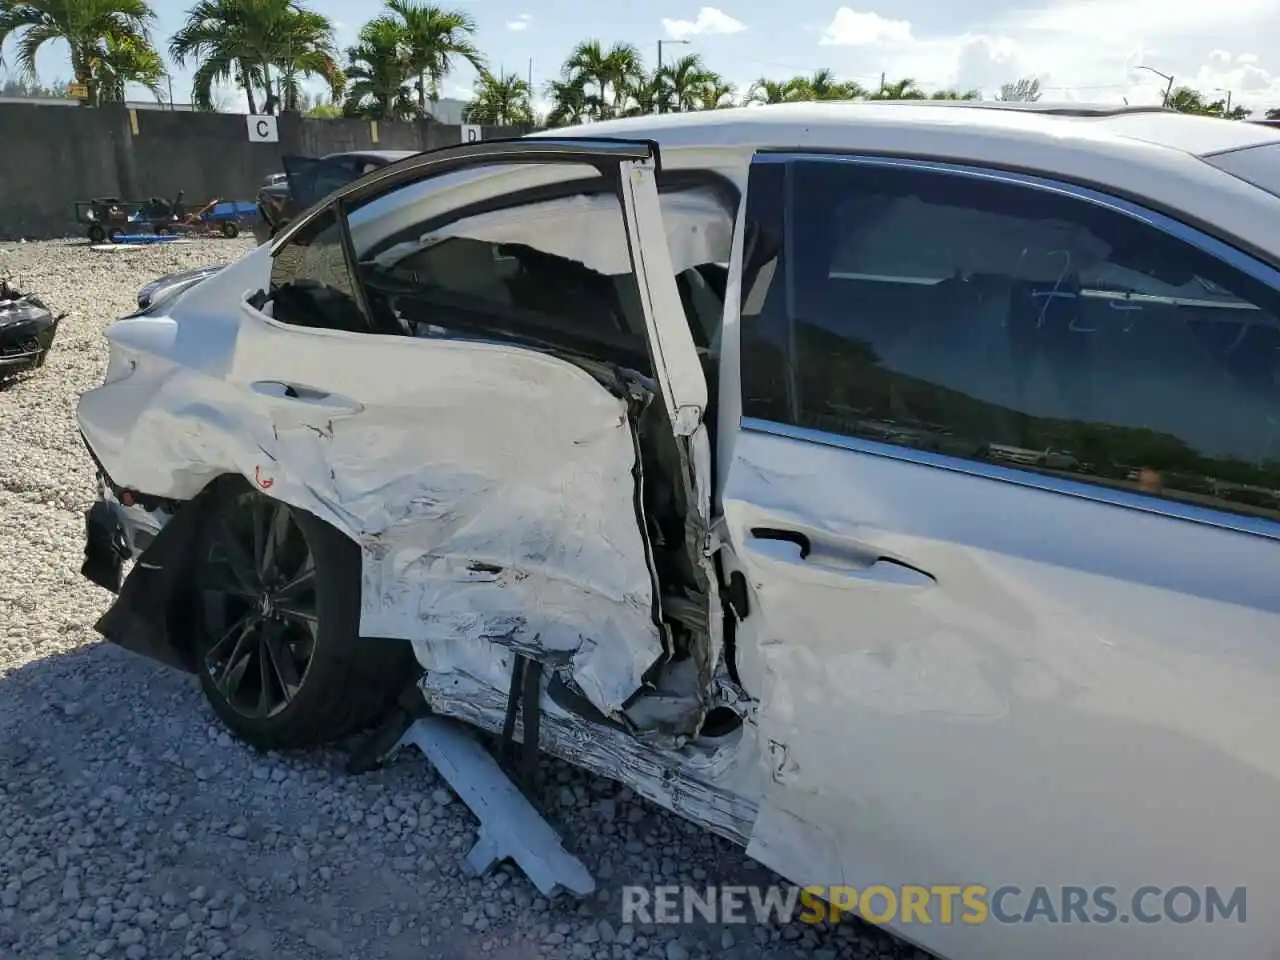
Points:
x=132 y=824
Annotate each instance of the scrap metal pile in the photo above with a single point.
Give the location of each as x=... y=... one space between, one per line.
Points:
x=27 y=329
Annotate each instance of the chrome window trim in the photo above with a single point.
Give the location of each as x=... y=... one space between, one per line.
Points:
x=1086 y=293
x=1083 y=490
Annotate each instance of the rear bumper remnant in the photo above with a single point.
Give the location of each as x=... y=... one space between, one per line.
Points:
x=106 y=546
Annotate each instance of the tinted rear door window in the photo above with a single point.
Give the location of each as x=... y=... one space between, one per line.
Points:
x=993 y=321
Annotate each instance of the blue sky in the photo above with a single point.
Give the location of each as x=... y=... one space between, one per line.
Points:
x=1081 y=49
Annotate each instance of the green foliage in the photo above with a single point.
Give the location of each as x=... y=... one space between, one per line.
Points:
x=378 y=74
x=257 y=45
x=1023 y=90
x=21 y=87
x=1189 y=100
x=502 y=101
x=109 y=41
x=395 y=70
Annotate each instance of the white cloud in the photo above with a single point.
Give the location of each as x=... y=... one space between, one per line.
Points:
x=520 y=23
x=709 y=21
x=1061 y=43
x=849 y=28
x=1136 y=18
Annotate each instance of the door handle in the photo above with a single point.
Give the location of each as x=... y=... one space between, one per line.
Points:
x=284 y=390
x=836 y=557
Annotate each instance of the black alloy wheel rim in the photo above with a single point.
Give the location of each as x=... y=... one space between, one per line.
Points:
x=259 y=607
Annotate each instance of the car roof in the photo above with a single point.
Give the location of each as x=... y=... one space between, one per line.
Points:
x=1157 y=158
x=828 y=120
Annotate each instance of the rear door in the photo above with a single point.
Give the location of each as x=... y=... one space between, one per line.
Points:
x=455 y=405
x=1006 y=490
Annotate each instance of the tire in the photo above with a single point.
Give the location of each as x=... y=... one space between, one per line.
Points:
x=163 y=231
x=300 y=633
x=97 y=234
x=230 y=229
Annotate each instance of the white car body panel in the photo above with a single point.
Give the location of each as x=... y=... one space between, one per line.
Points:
x=430 y=530
x=453 y=545
x=1166 y=172
x=1035 y=654
x=459 y=544
x=900 y=733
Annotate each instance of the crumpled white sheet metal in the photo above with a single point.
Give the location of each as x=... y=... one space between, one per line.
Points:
x=494 y=500
x=491 y=488
x=714 y=784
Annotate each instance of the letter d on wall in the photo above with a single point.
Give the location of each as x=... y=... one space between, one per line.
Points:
x=471 y=133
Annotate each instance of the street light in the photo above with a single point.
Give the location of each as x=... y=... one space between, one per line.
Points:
x=1228 y=93
x=1168 y=87
x=662 y=103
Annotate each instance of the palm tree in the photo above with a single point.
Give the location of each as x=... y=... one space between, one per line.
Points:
x=904 y=89
x=570 y=104
x=956 y=95
x=502 y=101
x=122 y=61
x=717 y=95
x=242 y=40
x=606 y=77
x=1022 y=90
x=378 y=73
x=1189 y=100
x=823 y=85
x=765 y=90
x=301 y=45
x=435 y=38
x=221 y=36
x=85 y=26
x=683 y=85
x=820 y=85
x=646 y=95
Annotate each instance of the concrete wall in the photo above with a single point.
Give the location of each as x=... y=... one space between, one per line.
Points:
x=51 y=156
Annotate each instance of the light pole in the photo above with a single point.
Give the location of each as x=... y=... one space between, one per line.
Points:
x=1168 y=87
x=662 y=103
x=1228 y=93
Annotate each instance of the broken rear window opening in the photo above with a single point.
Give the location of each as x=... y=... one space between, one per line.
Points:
x=311 y=283
x=460 y=286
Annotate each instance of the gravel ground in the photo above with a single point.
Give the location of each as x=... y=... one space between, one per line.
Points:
x=132 y=826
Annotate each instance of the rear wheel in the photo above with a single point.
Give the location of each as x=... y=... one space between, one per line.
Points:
x=277 y=643
x=230 y=229
x=97 y=233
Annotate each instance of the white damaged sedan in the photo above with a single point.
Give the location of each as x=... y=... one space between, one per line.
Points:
x=891 y=489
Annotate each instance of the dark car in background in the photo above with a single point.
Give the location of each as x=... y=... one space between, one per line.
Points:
x=306 y=179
